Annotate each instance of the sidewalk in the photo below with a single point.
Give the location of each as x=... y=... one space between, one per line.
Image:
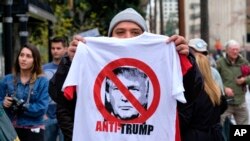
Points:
x=248 y=102
x=248 y=106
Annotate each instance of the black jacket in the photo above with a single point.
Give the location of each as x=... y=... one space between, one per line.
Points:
x=65 y=108
x=199 y=119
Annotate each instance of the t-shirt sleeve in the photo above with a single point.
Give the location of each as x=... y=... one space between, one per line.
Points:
x=177 y=75
x=72 y=79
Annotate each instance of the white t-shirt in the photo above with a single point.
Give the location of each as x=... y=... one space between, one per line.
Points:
x=97 y=59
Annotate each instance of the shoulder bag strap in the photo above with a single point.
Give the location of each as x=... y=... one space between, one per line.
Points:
x=31 y=86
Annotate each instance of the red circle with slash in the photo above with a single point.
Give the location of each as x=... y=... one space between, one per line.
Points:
x=107 y=71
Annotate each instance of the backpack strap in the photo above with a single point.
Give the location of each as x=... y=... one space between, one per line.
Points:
x=31 y=86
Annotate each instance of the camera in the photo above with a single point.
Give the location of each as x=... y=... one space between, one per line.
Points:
x=18 y=105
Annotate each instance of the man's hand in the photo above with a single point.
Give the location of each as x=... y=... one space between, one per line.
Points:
x=229 y=92
x=7 y=102
x=241 y=80
x=73 y=45
x=181 y=44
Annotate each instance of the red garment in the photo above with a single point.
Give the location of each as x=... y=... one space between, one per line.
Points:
x=218 y=45
x=245 y=70
x=69 y=92
x=185 y=64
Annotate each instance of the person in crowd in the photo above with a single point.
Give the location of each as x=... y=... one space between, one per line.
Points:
x=218 y=47
x=24 y=95
x=58 y=49
x=198 y=45
x=229 y=68
x=126 y=24
x=137 y=82
x=212 y=60
x=203 y=122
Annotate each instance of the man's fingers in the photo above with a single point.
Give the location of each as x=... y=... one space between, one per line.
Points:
x=183 y=49
x=180 y=40
x=177 y=39
x=72 y=49
x=172 y=38
x=184 y=52
x=78 y=38
x=181 y=44
x=74 y=43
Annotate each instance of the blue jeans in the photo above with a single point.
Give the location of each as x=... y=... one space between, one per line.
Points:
x=52 y=130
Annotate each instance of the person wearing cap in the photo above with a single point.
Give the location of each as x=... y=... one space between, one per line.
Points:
x=204 y=124
x=198 y=45
x=229 y=68
x=139 y=26
x=126 y=24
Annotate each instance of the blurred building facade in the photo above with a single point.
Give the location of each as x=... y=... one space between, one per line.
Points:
x=228 y=19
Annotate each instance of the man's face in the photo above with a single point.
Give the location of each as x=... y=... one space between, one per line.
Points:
x=121 y=106
x=233 y=51
x=126 y=30
x=57 y=50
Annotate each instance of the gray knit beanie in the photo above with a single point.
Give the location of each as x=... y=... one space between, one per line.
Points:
x=128 y=14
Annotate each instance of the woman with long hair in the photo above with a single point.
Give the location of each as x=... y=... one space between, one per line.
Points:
x=203 y=122
x=24 y=94
x=211 y=87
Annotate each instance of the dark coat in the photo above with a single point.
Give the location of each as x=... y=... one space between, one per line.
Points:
x=202 y=120
x=199 y=119
x=65 y=108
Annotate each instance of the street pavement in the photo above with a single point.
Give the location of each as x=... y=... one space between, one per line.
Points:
x=248 y=102
x=248 y=106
